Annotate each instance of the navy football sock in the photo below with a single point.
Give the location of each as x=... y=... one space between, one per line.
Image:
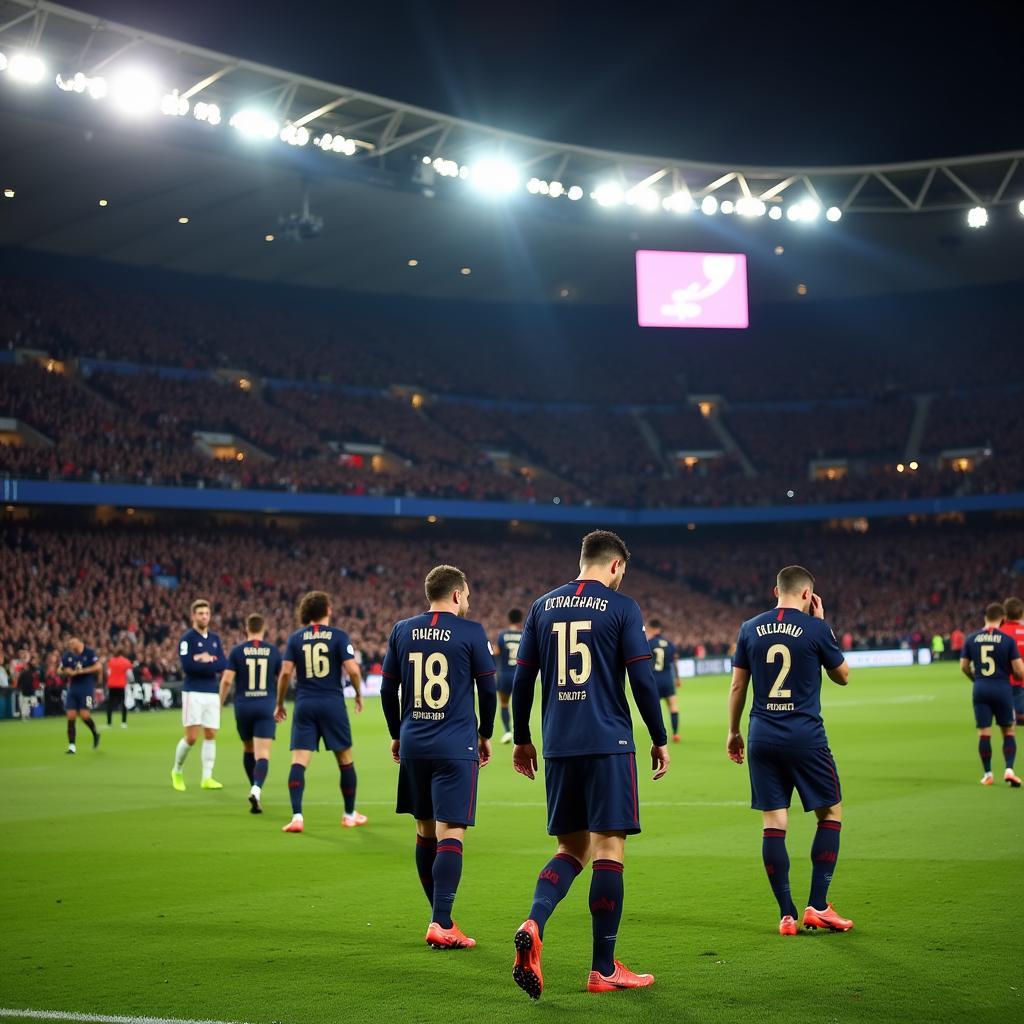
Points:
x=259 y=771
x=674 y=715
x=985 y=752
x=248 y=762
x=1010 y=750
x=776 y=865
x=506 y=720
x=606 y=890
x=296 y=784
x=446 y=875
x=824 y=854
x=90 y=725
x=426 y=851
x=71 y=730
x=552 y=884
x=348 y=787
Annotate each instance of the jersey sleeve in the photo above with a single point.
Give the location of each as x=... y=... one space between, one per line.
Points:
x=1014 y=649
x=828 y=649
x=235 y=659
x=741 y=656
x=346 y=650
x=89 y=659
x=291 y=650
x=391 y=669
x=483 y=660
x=633 y=640
x=528 y=652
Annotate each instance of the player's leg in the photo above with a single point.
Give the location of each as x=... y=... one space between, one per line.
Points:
x=776 y=865
x=297 y=779
x=1010 y=754
x=347 y=783
x=110 y=708
x=447 y=873
x=248 y=759
x=86 y=716
x=1018 y=704
x=210 y=721
x=261 y=765
x=72 y=716
x=191 y=720
x=426 y=851
x=673 y=714
x=506 y=715
x=123 y=704
x=983 y=718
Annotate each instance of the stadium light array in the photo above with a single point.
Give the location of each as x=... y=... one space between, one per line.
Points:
x=645 y=198
x=709 y=205
x=678 y=202
x=96 y=87
x=255 y=124
x=173 y=105
x=1020 y=207
x=608 y=193
x=750 y=206
x=977 y=217
x=296 y=136
x=26 y=67
x=494 y=175
x=135 y=92
x=208 y=112
x=335 y=144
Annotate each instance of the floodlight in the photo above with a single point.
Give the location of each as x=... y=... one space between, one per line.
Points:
x=833 y=213
x=709 y=205
x=135 y=92
x=255 y=123
x=493 y=175
x=749 y=206
x=575 y=193
x=1020 y=207
x=208 y=112
x=26 y=67
x=608 y=194
x=555 y=189
x=174 y=105
x=678 y=202
x=977 y=217
x=727 y=206
x=775 y=213
x=646 y=198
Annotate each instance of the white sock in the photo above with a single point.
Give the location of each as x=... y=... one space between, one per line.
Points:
x=180 y=753
x=256 y=791
x=208 y=755
x=296 y=817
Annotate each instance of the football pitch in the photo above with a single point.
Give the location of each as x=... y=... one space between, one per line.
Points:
x=123 y=897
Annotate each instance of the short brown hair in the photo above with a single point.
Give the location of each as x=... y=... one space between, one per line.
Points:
x=199 y=602
x=793 y=579
x=994 y=612
x=1014 y=608
x=254 y=623
x=602 y=546
x=442 y=581
x=314 y=605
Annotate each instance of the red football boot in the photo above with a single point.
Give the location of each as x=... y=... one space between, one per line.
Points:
x=526 y=971
x=448 y=938
x=621 y=977
x=295 y=825
x=1011 y=778
x=787 y=926
x=827 y=918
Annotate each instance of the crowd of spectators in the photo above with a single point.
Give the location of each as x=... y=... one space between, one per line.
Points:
x=130 y=587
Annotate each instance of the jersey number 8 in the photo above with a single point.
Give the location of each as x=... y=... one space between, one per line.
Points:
x=436 y=670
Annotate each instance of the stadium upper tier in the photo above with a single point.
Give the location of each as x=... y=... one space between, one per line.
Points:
x=167 y=388
x=133 y=584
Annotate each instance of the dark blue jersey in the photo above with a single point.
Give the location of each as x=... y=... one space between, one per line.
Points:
x=256 y=665
x=663 y=660
x=318 y=653
x=508 y=651
x=582 y=636
x=785 y=650
x=990 y=653
x=201 y=676
x=434 y=659
x=87 y=659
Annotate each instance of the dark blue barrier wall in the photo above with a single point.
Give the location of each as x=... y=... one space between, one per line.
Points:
x=41 y=492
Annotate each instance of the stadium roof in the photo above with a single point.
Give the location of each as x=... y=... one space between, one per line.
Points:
x=66 y=152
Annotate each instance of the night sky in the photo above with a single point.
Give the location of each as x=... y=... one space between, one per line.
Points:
x=832 y=82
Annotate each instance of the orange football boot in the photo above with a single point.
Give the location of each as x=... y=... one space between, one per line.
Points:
x=526 y=970
x=295 y=825
x=986 y=779
x=354 y=820
x=1011 y=778
x=826 y=918
x=787 y=926
x=448 y=938
x=676 y=739
x=621 y=977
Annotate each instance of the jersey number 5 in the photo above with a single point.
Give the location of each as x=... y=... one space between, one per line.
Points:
x=988 y=665
x=775 y=652
x=436 y=670
x=318 y=664
x=568 y=636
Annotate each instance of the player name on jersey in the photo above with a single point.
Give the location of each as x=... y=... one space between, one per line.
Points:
x=598 y=604
x=779 y=627
x=432 y=634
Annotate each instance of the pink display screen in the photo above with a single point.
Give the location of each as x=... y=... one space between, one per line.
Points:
x=691 y=289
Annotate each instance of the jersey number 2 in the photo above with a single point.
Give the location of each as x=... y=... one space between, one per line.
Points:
x=775 y=652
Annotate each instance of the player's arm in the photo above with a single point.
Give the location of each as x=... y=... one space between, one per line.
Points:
x=737 y=702
x=840 y=675
x=355 y=677
x=485 y=677
x=284 y=680
x=524 y=753
x=390 y=699
x=636 y=654
x=196 y=664
x=967 y=668
x=832 y=658
x=226 y=680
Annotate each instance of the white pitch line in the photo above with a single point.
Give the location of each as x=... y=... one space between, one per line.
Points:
x=102 y=1018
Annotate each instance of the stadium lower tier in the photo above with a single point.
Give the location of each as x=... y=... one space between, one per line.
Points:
x=126 y=581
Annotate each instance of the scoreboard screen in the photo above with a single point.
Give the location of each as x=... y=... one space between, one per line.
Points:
x=691 y=289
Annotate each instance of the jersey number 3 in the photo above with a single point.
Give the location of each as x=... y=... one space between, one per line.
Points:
x=775 y=652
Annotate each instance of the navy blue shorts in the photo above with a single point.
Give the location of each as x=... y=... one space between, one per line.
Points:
x=79 y=698
x=775 y=771
x=994 y=701
x=438 y=789
x=253 y=722
x=1018 y=699
x=315 y=720
x=666 y=687
x=593 y=793
x=505 y=683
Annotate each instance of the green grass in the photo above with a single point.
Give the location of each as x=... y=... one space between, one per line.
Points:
x=121 y=896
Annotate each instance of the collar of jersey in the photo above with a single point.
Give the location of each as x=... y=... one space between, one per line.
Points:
x=598 y=582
